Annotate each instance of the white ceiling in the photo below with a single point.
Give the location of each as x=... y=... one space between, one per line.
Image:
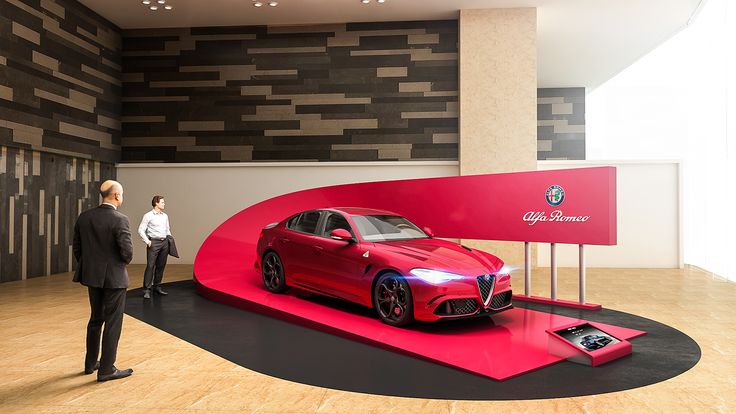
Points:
x=580 y=42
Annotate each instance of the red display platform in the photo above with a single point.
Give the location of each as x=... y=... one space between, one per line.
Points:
x=558 y=302
x=516 y=343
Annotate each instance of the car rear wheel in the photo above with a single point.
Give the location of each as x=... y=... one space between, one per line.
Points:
x=392 y=300
x=273 y=273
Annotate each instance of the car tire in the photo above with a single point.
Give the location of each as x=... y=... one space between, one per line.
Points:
x=392 y=300
x=273 y=273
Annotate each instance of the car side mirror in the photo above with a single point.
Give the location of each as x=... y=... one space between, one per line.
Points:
x=428 y=231
x=341 y=234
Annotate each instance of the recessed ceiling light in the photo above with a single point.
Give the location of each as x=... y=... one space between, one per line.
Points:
x=258 y=4
x=161 y=1
x=146 y=2
x=381 y=1
x=273 y=3
x=168 y=7
x=154 y=8
x=365 y=1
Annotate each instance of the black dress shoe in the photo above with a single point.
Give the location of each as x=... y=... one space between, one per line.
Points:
x=88 y=371
x=115 y=374
x=146 y=294
x=160 y=291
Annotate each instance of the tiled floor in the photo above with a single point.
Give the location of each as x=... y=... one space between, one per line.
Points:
x=42 y=325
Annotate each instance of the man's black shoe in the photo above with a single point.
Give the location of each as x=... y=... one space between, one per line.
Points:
x=160 y=291
x=146 y=294
x=88 y=371
x=115 y=374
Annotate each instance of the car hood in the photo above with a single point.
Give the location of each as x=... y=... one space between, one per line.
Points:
x=443 y=255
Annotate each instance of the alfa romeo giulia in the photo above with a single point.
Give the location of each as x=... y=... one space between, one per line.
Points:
x=381 y=260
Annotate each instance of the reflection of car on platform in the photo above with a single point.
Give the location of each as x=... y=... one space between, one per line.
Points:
x=381 y=260
x=593 y=342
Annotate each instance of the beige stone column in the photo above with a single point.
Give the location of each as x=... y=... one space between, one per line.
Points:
x=498 y=100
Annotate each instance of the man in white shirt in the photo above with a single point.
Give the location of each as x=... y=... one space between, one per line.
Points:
x=154 y=230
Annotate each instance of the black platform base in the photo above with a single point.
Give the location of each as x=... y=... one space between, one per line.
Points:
x=300 y=354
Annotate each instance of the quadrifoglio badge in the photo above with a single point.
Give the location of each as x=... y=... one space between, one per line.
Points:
x=554 y=196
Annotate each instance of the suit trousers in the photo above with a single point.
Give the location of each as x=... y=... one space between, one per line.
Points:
x=156 y=258
x=107 y=309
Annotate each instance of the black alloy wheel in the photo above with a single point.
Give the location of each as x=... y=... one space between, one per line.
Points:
x=392 y=300
x=273 y=273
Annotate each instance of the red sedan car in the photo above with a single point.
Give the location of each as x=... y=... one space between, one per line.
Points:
x=381 y=260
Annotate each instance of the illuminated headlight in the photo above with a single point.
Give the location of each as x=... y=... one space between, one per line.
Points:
x=435 y=276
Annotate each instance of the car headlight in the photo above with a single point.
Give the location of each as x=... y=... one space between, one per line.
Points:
x=435 y=276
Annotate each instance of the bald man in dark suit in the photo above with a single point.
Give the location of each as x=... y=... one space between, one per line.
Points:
x=103 y=248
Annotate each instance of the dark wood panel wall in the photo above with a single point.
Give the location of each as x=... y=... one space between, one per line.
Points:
x=561 y=124
x=60 y=88
x=59 y=79
x=345 y=92
x=42 y=195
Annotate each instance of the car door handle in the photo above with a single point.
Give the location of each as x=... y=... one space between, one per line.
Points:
x=285 y=240
x=318 y=249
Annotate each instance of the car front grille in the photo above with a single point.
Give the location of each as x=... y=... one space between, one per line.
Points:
x=485 y=285
x=455 y=307
x=501 y=300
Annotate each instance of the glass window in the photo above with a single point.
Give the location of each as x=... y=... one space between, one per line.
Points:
x=305 y=222
x=336 y=221
x=292 y=222
x=385 y=228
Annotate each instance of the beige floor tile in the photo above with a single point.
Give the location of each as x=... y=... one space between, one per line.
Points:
x=560 y=405
x=336 y=402
x=254 y=392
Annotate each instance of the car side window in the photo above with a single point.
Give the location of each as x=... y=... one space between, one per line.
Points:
x=336 y=221
x=293 y=222
x=305 y=222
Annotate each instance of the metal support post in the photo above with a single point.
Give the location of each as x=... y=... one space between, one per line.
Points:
x=581 y=283
x=553 y=270
x=527 y=269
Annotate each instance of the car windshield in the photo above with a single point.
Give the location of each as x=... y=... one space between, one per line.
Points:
x=385 y=228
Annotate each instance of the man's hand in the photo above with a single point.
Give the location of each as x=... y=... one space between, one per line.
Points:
x=148 y=244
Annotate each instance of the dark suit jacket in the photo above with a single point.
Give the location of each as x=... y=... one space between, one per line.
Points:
x=172 y=247
x=103 y=247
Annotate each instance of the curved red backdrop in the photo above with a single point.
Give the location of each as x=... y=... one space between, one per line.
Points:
x=510 y=206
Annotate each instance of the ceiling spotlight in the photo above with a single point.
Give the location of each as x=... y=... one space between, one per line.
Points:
x=258 y=4
x=273 y=3
x=168 y=7
x=146 y=2
x=381 y=1
x=154 y=8
x=365 y=1
x=161 y=1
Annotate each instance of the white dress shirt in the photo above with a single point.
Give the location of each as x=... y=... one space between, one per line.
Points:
x=155 y=225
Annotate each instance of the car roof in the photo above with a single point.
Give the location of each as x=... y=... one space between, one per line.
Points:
x=360 y=211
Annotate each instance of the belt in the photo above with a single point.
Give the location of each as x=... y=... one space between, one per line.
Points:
x=158 y=238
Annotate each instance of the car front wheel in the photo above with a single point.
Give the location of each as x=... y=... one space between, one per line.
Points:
x=273 y=273
x=392 y=300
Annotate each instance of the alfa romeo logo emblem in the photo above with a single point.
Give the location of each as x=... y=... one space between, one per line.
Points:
x=554 y=195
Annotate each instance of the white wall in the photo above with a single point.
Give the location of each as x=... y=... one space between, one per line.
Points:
x=201 y=196
x=649 y=218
